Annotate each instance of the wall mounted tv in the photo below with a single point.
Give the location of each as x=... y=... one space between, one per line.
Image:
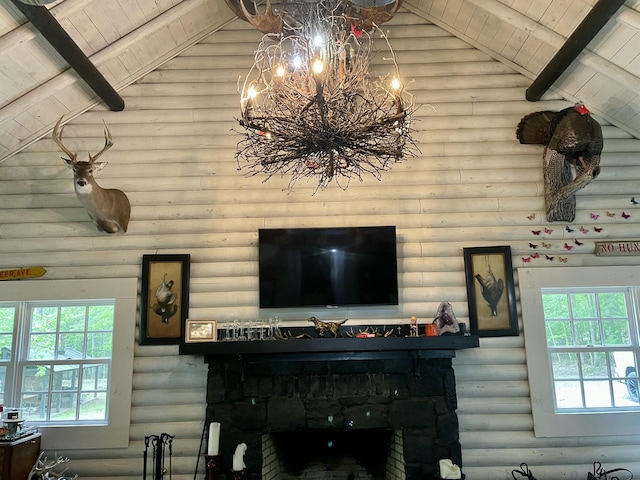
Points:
x=328 y=267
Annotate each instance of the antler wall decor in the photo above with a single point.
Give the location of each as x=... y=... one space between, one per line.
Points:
x=310 y=106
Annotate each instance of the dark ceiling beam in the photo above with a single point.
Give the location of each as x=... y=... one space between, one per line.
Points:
x=59 y=39
x=576 y=43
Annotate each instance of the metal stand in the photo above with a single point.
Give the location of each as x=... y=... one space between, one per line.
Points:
x=158 y=442
x=212 y=463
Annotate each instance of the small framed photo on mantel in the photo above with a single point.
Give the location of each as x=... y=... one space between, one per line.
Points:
x=201 y=331
x=164 y=299
x=490 y=291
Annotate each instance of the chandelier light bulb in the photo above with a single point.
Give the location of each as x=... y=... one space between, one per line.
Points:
x=317 y=66
x=297 y=61
x=280 y=71
x=252 y=93
x=395 y=84
x=317 y=41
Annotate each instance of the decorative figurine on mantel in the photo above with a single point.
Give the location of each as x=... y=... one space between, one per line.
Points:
x=446 y=319
x=327 y=327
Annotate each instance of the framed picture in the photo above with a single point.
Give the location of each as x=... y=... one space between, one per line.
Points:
x=490 y=291
x=201 y=331
x=164 y=299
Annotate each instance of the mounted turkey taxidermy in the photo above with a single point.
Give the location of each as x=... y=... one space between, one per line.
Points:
x=573 y=144
x=108 y=208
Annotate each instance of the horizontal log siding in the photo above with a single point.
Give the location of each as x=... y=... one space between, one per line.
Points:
x=473 y=185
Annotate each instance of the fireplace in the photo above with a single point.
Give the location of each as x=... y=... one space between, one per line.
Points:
x=395 y=411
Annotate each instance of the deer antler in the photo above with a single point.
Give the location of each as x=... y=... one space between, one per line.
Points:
x=108 y=143
x=44 y=470
x=267 y=22
x=367 y=17
x=57 y=137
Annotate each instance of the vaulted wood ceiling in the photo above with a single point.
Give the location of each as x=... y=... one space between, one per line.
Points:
x=125 y=39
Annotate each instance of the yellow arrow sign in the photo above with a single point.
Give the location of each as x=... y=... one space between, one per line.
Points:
x=18 y=273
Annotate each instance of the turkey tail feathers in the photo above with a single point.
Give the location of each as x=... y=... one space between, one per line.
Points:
x=535 y=128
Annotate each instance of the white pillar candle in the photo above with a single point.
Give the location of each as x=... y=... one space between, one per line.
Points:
x=214 y=439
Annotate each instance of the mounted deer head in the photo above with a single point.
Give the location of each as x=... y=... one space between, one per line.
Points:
x=108 y=208
x=277 y=21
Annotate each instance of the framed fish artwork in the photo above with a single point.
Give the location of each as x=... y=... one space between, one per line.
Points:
x=490 y=291
x=164 y=299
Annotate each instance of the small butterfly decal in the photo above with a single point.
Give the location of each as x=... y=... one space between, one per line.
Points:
x=533 y=245
x=610 y=214
x=532 y=216
x=568 y=229
x=598 y=230
x=577 y=242
x=546 y=245
x=535 y=255
x=625 y=215
x=548 y=230
x=633 y=201
x=584 y=230
x=563 y=259
x=567 y=246
x=549 y=258
x=536 y=232
x=594 y=216
x=526 y=259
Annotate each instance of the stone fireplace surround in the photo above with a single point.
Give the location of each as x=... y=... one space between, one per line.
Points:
x=409 y=390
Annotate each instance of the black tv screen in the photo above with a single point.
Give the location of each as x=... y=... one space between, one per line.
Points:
x=329 y=267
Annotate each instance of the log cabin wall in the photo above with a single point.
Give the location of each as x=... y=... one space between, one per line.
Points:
x=473 y=185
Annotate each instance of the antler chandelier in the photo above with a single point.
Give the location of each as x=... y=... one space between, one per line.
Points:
x=311 y=107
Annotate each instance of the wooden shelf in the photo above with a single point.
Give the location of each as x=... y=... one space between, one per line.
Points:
x=338 y=348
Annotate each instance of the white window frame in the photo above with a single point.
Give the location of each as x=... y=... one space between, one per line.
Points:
x=547 y=421
x=124 y=290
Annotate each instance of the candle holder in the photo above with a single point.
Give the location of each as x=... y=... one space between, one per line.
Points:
x=212 y=464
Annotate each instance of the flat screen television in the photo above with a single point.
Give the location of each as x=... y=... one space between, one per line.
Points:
x=327 y=267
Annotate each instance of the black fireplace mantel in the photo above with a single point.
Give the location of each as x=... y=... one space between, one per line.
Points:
x=443 y=346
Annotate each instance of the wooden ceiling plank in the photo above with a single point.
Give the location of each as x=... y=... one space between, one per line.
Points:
x=476 y=24
x=134 y=13
x=102 y=16
x=464 y=17
x=576 y=12
x=626 y=54
x=179 y=33
x=451 y=12
x=554 y=13
x=489 y=32
x=537 y=9
x=149 y=9
x=29 y=122
x=437 y=8
x=91 y=35
x=504 y=33
x=527 y=51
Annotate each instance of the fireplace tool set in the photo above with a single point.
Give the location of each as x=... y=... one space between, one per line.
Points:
x=159 y=446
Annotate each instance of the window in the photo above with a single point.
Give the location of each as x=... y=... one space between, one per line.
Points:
x=66 y=358
x=581 y=336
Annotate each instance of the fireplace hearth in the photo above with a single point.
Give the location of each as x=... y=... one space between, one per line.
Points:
x=392 y=417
